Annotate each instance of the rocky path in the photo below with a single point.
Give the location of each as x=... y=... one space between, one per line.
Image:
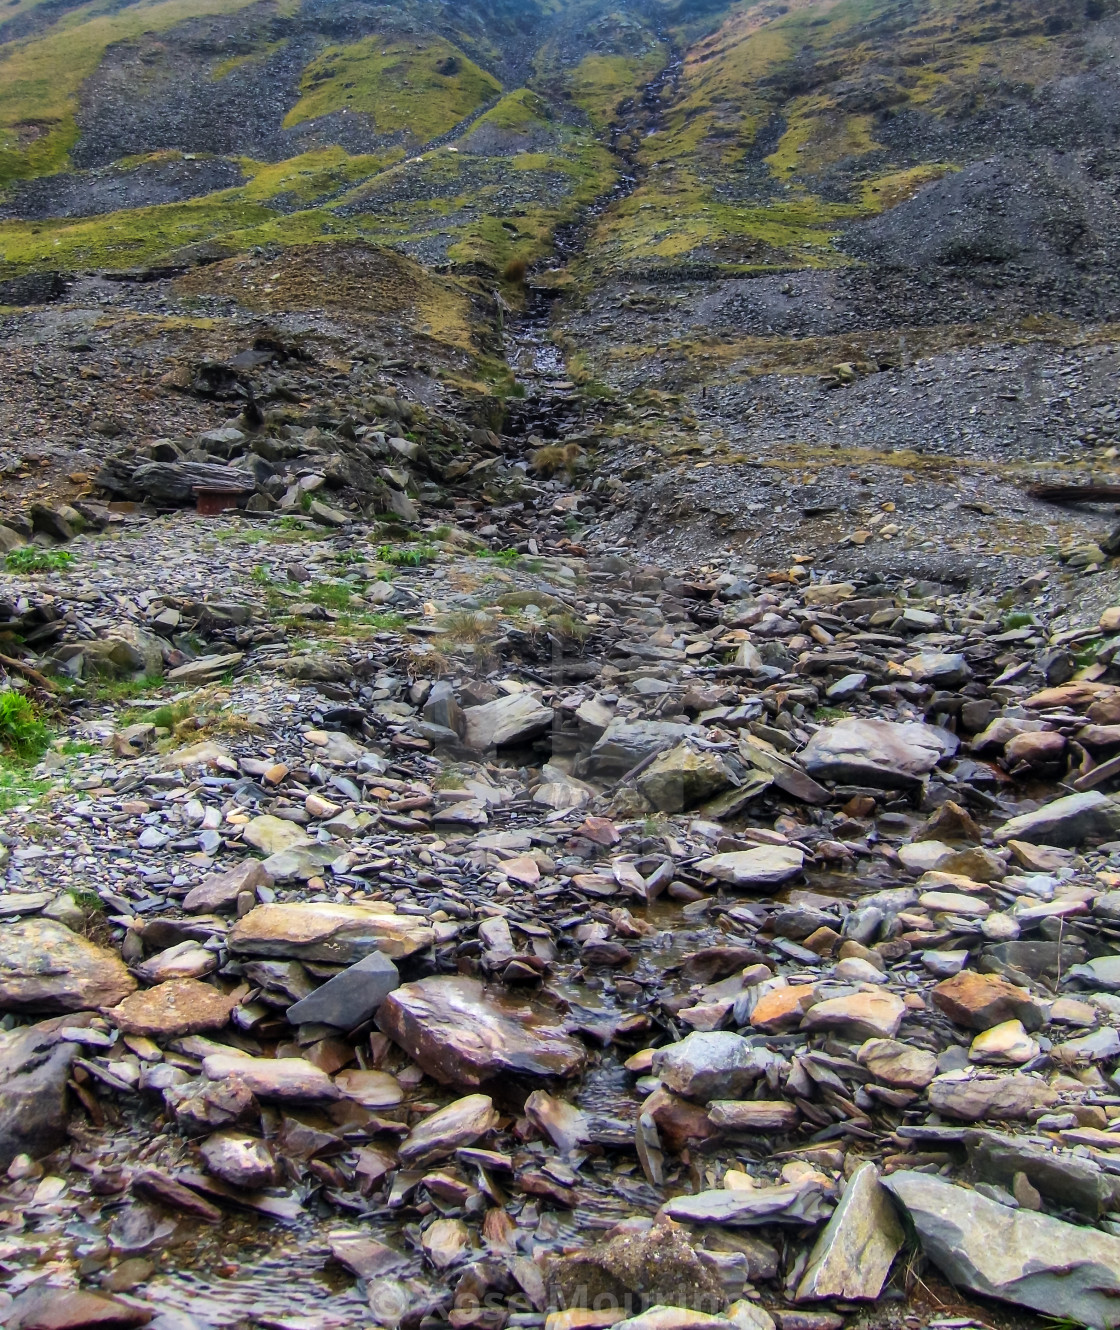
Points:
x=423 y=931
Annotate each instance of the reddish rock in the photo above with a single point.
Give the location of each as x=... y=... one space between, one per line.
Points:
x=463 y=1035
x=979 y=1001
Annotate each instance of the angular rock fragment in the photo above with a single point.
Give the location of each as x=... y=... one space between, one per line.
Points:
x=220 y=891
x=854 y=1253
x=285 y=1080
x=350 y=997
x=324 y=931
x=1016 y=1256
x=513 y=719
x=980 y=1001
x=463 y=1035
x=448 y=1129
x=861 y=1016
x=44 y=967
x=1071 y=820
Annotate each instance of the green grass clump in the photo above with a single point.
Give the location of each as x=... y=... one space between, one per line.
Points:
x=410 y=558
x=124 y=690
x=23 y=735
x=421 y=92
x=34 y=559
x=507 y=558
x=331 y=595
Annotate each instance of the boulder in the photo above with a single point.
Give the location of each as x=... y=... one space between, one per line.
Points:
x=463 y=1035
x=763 y=866
x=1069 y=821
x=44 y=968
x=34 y=1070
x=1017 y=1256
x=853 y=1255
x=683 y=777
x=324 y=931
x=882 y=753
x=513 y=719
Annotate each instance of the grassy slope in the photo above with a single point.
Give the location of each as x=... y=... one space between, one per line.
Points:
x=710 y=194
x=40 y=78
x=419 y=91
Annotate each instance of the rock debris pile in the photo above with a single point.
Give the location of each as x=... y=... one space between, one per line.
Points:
x=568 y=943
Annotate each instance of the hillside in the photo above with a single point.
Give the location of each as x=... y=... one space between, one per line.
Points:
x=559 y=664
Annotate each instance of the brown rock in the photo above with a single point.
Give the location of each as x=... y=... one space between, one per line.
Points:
x=860 y=1016
x=782 y=1009
x=1037 y=750
x=897 y=1064
x=448 y=1129
x=980 y=1001
x=658 y=1265
x=45 y=1307
x=44 y=967
x=179 y=1007
x=461 y=1034
x=220 y=891
x=324 y=931
x=758 y=1115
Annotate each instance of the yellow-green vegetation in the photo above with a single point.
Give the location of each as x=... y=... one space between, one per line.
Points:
x=800 y=88
x=421 y=91
x=40 y=78
x=240 y=216
x=601 y=83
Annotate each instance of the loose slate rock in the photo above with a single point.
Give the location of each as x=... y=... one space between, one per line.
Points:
x=220 y=891
x=765 y=866
x=44 y=967
x=457 y=1125
x=34 y=1070
x=1028 y=1259
x=1002 y=1098
x=853 y=1255
x=323 y=931
x=981 y=1001
x=178 y=1007
x=1069 y=821
x=881 y=753
x=285 y=1080
x=462 y=1035
x=349 y=998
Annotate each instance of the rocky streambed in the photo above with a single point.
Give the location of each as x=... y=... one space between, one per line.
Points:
x=553 y=940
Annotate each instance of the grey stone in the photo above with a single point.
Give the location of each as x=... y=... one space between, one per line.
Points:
x=350 y=997
x=763 y=866
x=712 y=1064
x=854 y=1253
x=877 y=752
x=623 y=744
x=1066 y=1178
x=516 y=718
x=1069 y=821
x=1027 y=1259
x=220 y=891
x=35 y=1064
x=682 y=777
